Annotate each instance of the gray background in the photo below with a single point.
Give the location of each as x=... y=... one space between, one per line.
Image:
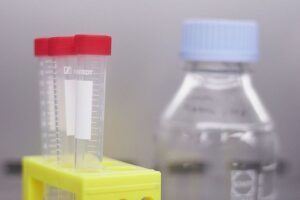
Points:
x=145 y=69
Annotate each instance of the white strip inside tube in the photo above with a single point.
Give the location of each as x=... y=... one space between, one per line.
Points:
x=90 y=106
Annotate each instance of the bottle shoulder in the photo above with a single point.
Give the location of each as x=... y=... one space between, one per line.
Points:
x=207 y=102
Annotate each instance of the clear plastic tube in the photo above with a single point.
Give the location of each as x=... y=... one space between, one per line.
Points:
x=57 y=136
x=91 y=75
x=65 y=119
x=48 y=114
x=66 y=97
x=47 y=107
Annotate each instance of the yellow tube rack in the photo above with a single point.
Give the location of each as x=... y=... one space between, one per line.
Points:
x=115 y=181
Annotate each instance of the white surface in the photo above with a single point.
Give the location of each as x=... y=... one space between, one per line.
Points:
x=70 y=103
x=84 y=110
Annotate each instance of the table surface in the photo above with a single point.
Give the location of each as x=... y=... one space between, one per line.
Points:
x=10 y=188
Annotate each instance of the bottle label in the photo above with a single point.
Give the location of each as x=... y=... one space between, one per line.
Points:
x=243 y=185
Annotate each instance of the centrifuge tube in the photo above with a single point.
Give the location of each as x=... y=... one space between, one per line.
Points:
x=62 y=50
x=47 y=101
x=92 y=52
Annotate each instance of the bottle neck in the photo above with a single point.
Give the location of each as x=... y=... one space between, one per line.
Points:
x=216 y=67
x=216 y=75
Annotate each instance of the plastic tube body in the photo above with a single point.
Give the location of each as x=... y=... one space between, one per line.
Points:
x=47 y=105
x=90 y=104
x=66 y=97
x=48 y=115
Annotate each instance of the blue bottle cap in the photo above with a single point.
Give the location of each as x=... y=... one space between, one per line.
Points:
x=220 y=41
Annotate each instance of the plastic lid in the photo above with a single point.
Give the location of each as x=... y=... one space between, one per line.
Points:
x=220 y=41
x=93 y=44
x=61 y=46
x=41 y=47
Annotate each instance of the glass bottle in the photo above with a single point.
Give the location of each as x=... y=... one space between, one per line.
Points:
x=216 y=140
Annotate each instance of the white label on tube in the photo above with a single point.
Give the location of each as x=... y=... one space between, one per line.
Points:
x=84 y=110
x=70 y=97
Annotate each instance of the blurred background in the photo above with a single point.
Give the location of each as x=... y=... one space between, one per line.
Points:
x=144 y=73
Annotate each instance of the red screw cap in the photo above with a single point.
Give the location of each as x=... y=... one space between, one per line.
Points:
x=93 y=45
x=61 y=46
x=41 y=47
